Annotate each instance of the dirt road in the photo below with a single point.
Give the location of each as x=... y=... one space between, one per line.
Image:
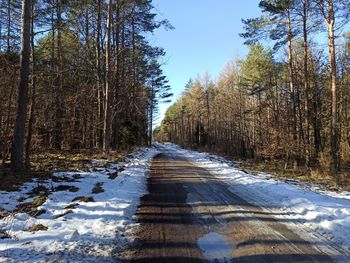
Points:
x=190 y=216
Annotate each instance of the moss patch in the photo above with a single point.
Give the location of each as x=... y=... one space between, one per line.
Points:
x=30 y=207
x=72 y=206
x=39 y=201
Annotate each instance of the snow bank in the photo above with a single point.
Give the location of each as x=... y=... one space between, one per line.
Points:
x=77 y=230
x=323 y=212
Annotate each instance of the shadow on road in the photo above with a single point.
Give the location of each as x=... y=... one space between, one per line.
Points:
x=186 y=202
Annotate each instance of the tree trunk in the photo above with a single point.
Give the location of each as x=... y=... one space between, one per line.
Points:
x=117 y=78
x=0 y=35
x=291 y=76
x=8 y=38
x=5 y=150
x=17 y=163
x=333 y=74
x=33 y=97
x=107 y=121
x=99 y=138
x=306 y=83
x=133 y=33
x=329 y=17
x=150 y=124
x=57 y=138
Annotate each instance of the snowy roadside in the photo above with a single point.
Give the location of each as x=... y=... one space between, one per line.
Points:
x=78 y=216
x=324 y=213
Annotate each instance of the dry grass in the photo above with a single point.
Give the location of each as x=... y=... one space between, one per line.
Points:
x=29 y=207
x=69 y=188
x=64 y=213
x=39 y=190
x=43 y=164
x=98 y=188
x=85 y=199
x=5 y=234
x=319 y=175
x=38 y=227
x=112 y=176
x=72 y=206
x=37 y=212
x=66 y=160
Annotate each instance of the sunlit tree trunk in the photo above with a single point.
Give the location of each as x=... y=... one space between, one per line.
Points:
x=306 y=83
x=291 y=77
x=327 y=10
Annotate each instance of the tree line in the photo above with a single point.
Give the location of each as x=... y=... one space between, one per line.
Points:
x=77 y=75
x=286 y=101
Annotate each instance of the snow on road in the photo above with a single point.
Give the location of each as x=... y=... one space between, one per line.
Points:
x=324 y=213
x=92 y=231
x=77 y=230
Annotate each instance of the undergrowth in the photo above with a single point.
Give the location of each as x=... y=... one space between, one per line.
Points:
x=316 y=174
x=43 y=164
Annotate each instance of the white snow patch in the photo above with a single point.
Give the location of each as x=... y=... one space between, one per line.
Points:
x=93 y=231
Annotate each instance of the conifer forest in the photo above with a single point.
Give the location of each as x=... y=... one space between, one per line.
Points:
x=288 y=100
x=77 y=75
x=83 y=75
x=175 y=131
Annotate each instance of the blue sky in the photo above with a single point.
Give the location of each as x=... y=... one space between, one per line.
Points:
x=205 y=37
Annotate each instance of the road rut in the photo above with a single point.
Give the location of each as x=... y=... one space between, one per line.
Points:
x=190 y=216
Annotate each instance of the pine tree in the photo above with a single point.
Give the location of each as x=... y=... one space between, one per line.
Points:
x=17 y=162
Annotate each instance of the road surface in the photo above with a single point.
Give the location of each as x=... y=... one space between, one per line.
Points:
x=190 y=216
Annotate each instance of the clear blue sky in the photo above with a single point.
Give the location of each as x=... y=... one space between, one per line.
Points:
x=205 y=37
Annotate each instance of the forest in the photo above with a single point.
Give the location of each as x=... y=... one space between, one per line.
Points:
x=287 y=102
x=250 y=162
x=77 y=75
x=84 y=74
